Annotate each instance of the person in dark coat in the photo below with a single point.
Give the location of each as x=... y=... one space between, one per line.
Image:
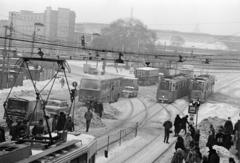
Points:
x=88 y=116
x=192 y=130
x=184 y=122
x=211 y=140
x=231 y=160
x=237 y=136
x=228 y=126
x=213 y=156
x=178 y=156
x=196 y=138
x=205 y=159
x=227 y=141
x=61 y=121
x=69 y=124
x=180 y=143
x=177 y=125
x=220 y=137
x=2 y=134
x=54 y=122
x=167 y=127
x=212 y=130
x=38 y=129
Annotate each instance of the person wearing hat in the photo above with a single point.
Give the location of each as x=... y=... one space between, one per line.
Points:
x=228 y=126
x=88 y=116
x=237 y=135
x=220 y=137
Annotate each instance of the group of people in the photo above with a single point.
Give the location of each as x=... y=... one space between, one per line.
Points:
x=225 y=136
x=56 y=123
x=187 y=145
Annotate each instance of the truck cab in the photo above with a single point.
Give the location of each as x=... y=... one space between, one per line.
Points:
x=129 y=86
x=55 y=106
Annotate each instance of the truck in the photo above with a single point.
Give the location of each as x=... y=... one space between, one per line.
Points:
x=23 y=108
x=55 y=106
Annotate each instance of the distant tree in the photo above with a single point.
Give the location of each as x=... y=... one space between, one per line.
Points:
x=126 y=35
x=177 y=41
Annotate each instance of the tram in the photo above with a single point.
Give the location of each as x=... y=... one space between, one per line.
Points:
x=173 y=87
x=100 y=88
x=202 y=87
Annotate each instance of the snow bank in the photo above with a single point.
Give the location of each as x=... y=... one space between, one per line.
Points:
x=221 y=110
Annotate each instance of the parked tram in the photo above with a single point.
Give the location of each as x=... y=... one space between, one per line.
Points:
x=202 y=87
x=147 y=75
x=101 y=88
x=173 y=87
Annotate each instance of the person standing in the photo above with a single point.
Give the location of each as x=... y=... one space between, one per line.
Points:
x=61 y=121
x=228 y=126
x=54 y=122
x=177 y=123
x=213 y=156
x=220 y=137
x=62 y=81
x=88 y=116
x=211 y=140
x=69 y=124
x=184 y=122
x=237 y=136
x=167 y=126
x=2 y=134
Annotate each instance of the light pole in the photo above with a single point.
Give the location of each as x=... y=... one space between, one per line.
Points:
x=34 y=35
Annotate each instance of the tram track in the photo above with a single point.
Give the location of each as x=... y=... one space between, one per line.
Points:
x=125 y=121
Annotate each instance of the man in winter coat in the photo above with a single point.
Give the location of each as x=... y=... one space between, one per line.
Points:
x=220 y=137
x=213 y=156
x=2 y=134
x=177 y=125
x=228 y=126
x=88 y=116
x=237 y=135
x=178 y=156
x=211 y=140
x=167 y=126
x=61 y=121
x=180 y=143
x=184 y=122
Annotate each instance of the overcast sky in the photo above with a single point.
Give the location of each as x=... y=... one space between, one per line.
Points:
x=207 y=16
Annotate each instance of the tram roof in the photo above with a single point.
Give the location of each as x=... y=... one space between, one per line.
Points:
x=146 y=68
x=102 y=77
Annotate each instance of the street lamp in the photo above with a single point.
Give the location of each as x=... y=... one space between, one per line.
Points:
x=34 y=35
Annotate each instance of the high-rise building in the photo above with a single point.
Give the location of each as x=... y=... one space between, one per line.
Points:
x=59 y=24
x=51 y=25
x=23 y=22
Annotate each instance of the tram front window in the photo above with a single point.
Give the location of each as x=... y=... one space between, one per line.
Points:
x=90 y=84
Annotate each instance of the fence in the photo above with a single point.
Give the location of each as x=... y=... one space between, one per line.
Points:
x=117 y=138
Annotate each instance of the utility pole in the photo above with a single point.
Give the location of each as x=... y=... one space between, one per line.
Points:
x=34 y=35
x=4 y=56
x=9 y=47
x=33 y=39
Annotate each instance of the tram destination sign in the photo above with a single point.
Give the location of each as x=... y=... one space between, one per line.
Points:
x=192 y=110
